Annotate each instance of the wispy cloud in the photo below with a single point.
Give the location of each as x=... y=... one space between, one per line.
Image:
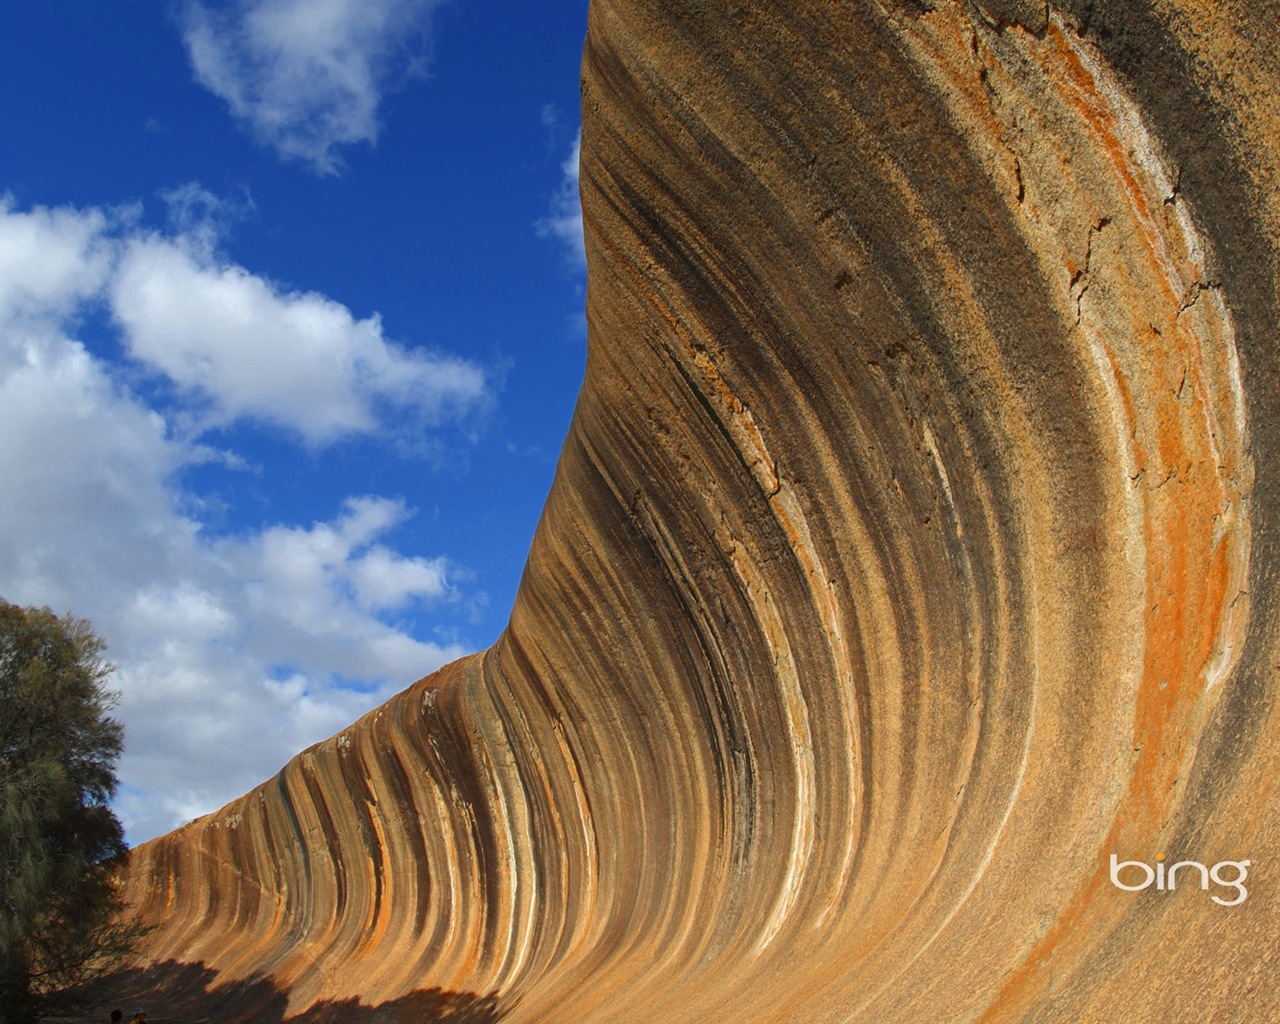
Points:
x=234 y=651
x=307 y=76
x=564 y=220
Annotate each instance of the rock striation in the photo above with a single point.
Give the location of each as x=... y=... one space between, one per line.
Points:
x=914 y=549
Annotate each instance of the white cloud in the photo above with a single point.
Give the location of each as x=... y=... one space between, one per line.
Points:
x=84 y=501
x=564 y=221
x=307 y=76
x=385 y=581
x=313 y=591
x=200 y=218
x=233 y=652
x=245 y=652
x=49 y=259
x=250 y=349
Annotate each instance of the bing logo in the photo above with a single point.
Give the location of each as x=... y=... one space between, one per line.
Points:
x=1167 y=878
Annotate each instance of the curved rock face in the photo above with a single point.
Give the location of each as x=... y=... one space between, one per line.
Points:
x=912 y=552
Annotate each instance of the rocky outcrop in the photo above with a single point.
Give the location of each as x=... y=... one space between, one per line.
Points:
x=913 y=551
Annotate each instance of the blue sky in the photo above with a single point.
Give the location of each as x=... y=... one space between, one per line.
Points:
x=290 y=335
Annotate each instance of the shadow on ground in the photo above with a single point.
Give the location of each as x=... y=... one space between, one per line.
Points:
x=179 y=993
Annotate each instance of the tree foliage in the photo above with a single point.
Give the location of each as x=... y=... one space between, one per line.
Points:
x=60 y=841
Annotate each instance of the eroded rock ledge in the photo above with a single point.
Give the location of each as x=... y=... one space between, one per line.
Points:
x=913 y=549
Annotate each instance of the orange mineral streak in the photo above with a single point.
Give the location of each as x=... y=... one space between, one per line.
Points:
x=1191 y=576
x=904 y=562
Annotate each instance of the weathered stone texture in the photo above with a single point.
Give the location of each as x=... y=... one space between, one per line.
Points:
x=913 y=549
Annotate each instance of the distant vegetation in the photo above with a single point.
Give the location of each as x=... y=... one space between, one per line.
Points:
x=60 y=841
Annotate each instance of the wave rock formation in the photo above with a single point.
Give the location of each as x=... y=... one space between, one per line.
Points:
x=913 y=550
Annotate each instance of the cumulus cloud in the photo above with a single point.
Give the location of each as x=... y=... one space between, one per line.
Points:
x=307 y=77
x=233 y=651
x=49 y=259
x=313 y=591
x=250 y=349
x=245 y=650
x=564 y=221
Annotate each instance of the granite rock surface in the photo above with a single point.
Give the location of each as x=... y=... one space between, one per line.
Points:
x=914 y=549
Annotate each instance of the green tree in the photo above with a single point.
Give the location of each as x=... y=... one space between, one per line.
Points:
x=60 y=841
